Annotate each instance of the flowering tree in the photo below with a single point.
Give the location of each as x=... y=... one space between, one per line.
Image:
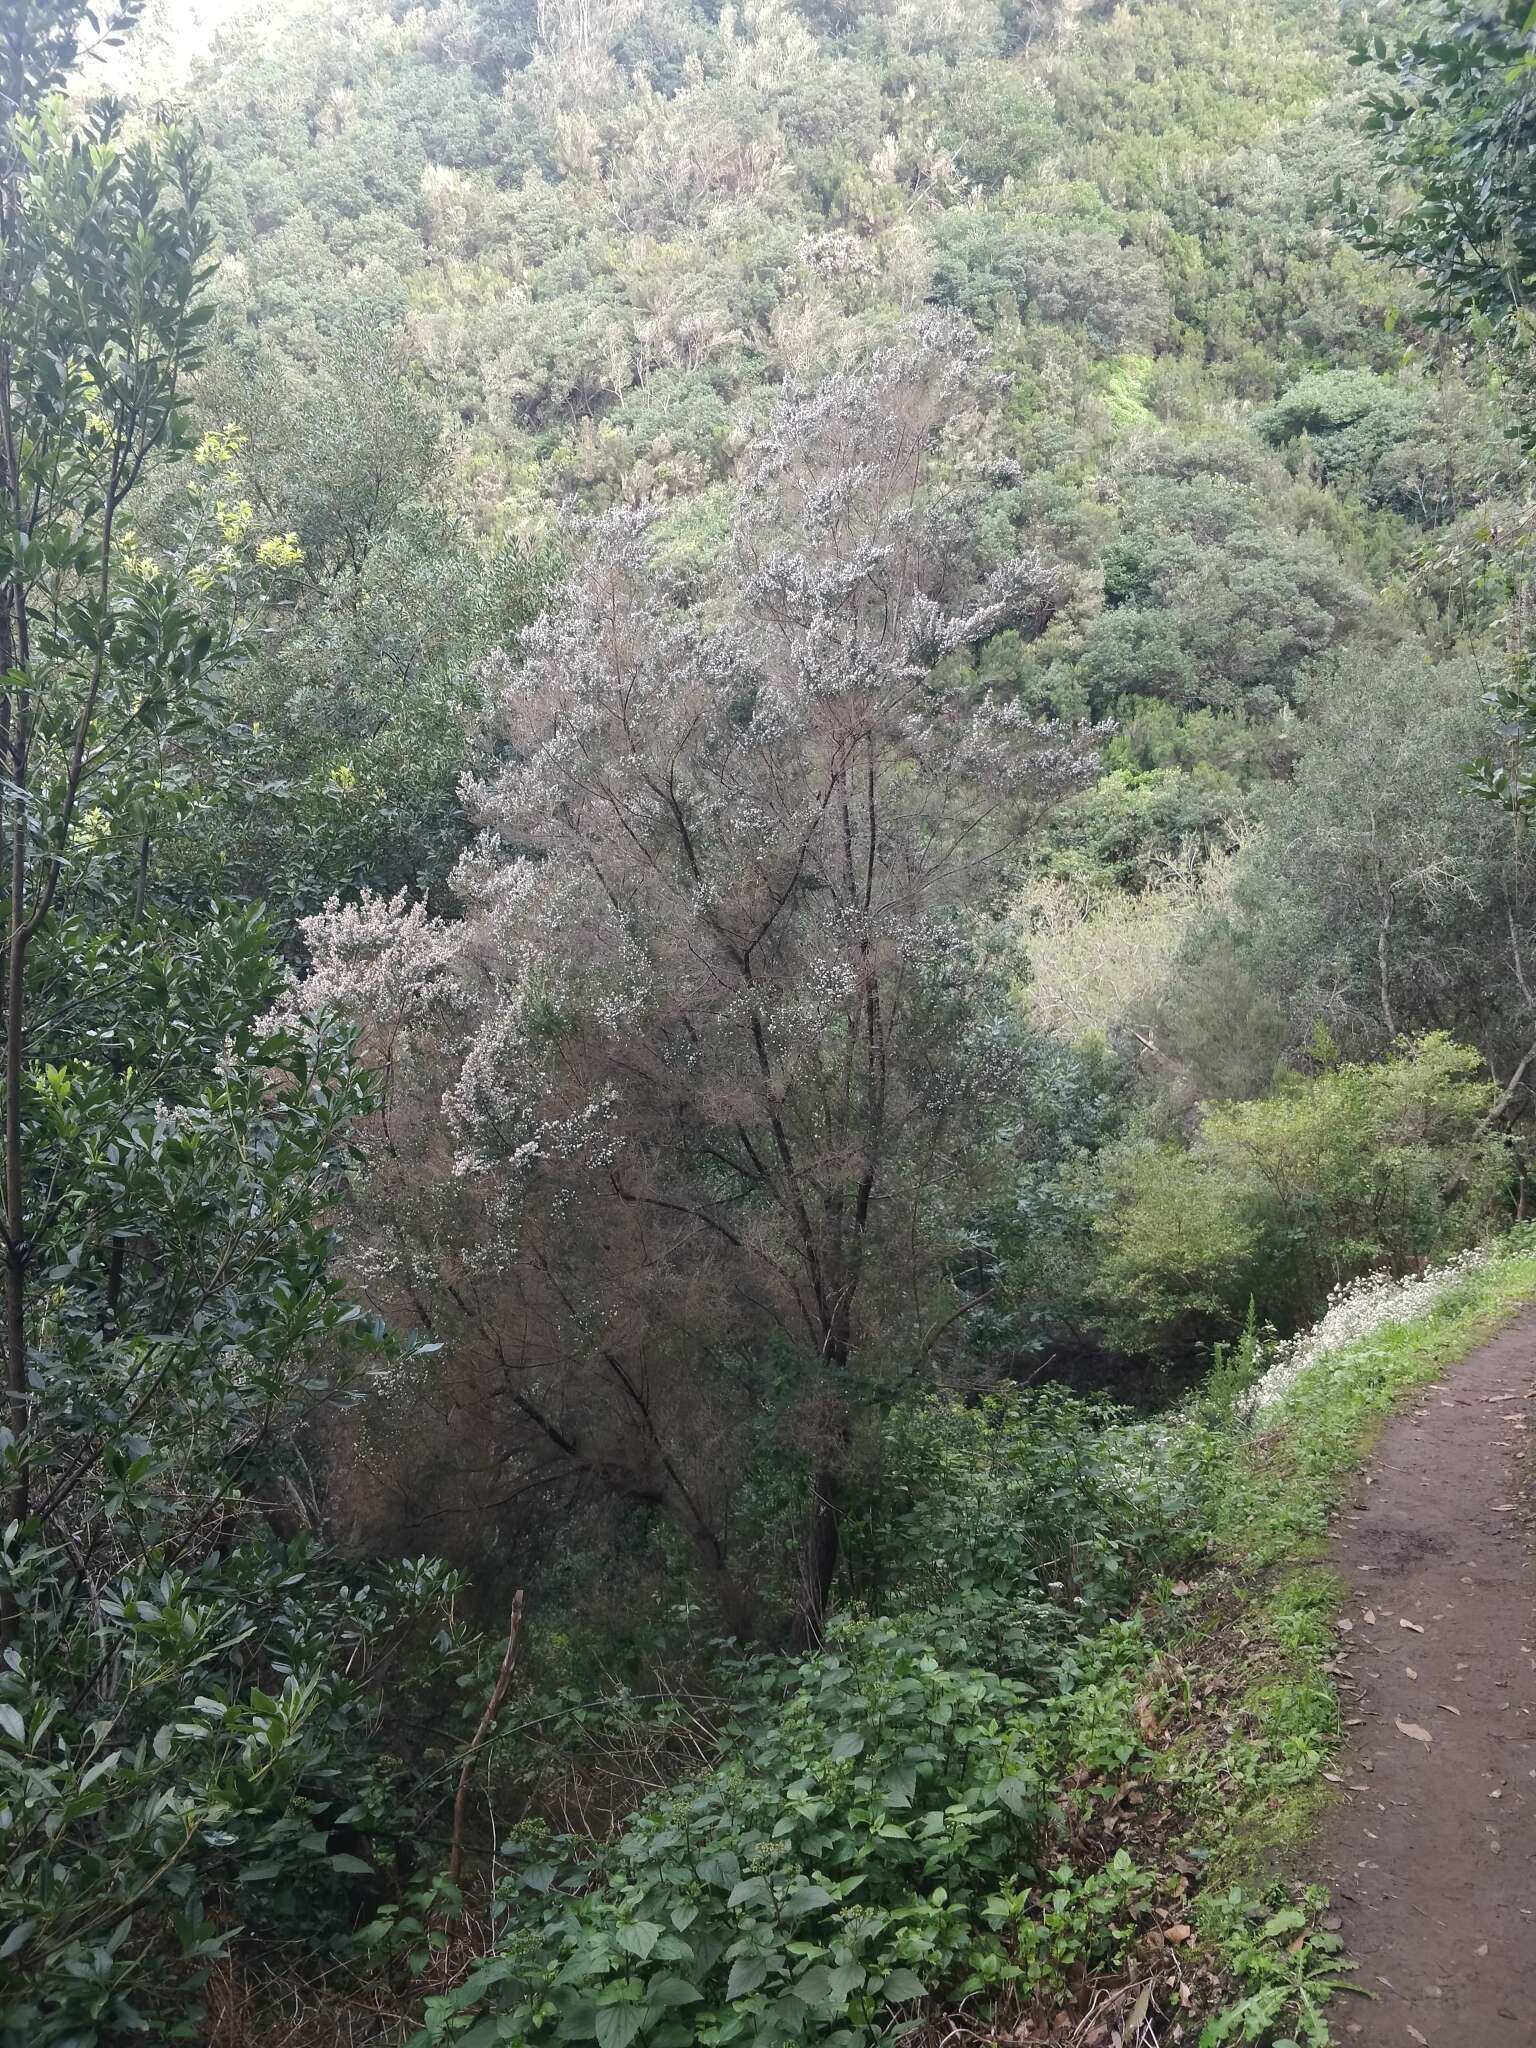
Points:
x=689 y=1119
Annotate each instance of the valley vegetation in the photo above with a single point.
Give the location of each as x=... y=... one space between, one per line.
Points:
x=766 y=779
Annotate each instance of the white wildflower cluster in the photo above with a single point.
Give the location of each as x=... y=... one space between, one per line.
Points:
x=378 y=961
x=1355 y=1309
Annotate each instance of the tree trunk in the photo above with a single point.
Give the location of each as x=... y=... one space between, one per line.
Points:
x=823 y=1547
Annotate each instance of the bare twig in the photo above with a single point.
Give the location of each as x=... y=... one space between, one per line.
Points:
x=493 y=1707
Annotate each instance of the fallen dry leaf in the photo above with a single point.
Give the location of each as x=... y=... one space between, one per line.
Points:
x=1448 y=1710
x=1412 y=1729
x=1418 y=2037
x=1179 y=1933
x=1370 y=1615
x=1417 y=1627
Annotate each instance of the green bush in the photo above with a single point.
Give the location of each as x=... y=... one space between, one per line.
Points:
x=1019 y=1521
x=1176 y=1252
x=1350 y=418
x=1130 y=820
x=1350 y=1170
x=203 y=1711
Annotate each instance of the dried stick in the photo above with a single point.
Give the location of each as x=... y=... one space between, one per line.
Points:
x=493 y=1707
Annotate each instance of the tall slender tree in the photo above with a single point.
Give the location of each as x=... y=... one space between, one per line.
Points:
x=103 y=256
x=184 y=1675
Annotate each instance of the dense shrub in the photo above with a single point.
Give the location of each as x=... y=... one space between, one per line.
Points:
x=1350 y=419
x=1334 y=1174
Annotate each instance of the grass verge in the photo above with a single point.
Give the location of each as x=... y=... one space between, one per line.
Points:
x=1247 y=1674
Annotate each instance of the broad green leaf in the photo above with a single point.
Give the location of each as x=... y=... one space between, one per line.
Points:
x=1289 y=1920
x=806 y=1900
x=901 y=1985
x=672 y=1990
x=487 y=2034
x=16 y=1938
x=898 y=1785
x=747 y=1972
x=1017 y=1794
x=617 y=2025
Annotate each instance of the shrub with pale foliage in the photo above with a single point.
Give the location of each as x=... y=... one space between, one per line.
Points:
x=689 y=1117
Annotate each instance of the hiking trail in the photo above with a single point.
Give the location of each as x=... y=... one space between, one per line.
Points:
x=1433 y=1859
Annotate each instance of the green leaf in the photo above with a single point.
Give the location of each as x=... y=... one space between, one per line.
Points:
x=900 y=1986
x=747 y=1972
x=899 y=1785
x=617 y=2025
x=806 y=1900
x=13 y=1724
x=1017 y=1794
x=1290 y=1920
x=848 y=1744
x=487 y=2034
x=16 y=1938
x=352 y=1865
x=672 y=1990
x=815 y=1987
x=639 y=1938
x=720 y=1869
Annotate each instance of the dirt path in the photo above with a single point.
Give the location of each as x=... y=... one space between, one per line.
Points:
x=1433 y=1861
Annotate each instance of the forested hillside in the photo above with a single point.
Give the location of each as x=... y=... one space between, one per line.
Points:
x=766 y=790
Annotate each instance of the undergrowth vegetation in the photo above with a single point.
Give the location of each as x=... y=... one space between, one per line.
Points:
x=1084 y=1739
x=1346 y=1170
x=923 y=1808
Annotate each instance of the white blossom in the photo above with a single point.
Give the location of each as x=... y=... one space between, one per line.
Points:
x=1356 y=1309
